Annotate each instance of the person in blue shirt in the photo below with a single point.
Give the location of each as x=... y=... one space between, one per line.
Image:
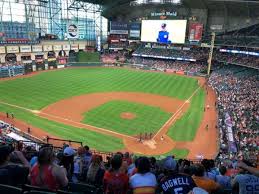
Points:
x=163 y=35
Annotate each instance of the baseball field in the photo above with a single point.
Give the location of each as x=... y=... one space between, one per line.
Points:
x=112 y=109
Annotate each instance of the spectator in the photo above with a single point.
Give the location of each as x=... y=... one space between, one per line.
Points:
x=68 y=161
x=87 y=157
x=143 y=181
x=203 y=182
x=245 y=182
x=46 y=174
x=115 y=182
x=222 y=179
x=174 y=182
x=252 y=170
x=12 y=174
x=95 y=171
x=78 y=165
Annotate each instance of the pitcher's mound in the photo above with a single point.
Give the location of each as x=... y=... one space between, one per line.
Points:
x=127 y=115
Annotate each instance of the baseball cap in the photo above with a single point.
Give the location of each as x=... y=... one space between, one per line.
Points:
x=169 y=163
x=68 y=151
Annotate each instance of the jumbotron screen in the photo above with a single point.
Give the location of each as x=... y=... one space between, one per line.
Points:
x=164 y=31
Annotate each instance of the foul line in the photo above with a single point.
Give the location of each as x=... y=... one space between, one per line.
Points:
x=78 y=123
x=173 y=117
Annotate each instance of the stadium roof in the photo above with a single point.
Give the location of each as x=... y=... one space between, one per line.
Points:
x=188 y=3
x=235 y=6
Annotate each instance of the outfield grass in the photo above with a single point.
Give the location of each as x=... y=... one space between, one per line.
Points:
x=108 y=143
x=186 y=127
x=46 y=88
x=148 y=119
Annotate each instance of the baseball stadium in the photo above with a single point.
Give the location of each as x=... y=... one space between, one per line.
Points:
x=129 y=96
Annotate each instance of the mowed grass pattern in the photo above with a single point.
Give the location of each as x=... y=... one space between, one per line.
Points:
x=148 y=119
x=186 y=127
x=91 y=138
x=46 y=88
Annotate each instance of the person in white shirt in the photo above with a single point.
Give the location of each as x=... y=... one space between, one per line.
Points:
x=143 y=181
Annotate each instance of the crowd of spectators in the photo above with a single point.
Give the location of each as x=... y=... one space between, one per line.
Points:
x=113 y=57
x=238 y=106
x=163 y=65
x=239 y=59
x=54 y=169
x=193 y=53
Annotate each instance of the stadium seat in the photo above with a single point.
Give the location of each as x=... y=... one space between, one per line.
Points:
x=63 y=192
x=38 y=192
x=82 y=188
x=9 y=189
x=34 y=188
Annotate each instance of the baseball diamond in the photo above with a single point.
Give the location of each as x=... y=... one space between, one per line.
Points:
x=86 y=104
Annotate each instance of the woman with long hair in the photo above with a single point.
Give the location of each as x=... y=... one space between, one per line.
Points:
x=46 y=173
x=95 y=171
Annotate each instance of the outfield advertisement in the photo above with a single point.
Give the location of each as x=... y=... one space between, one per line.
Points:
x=195 y=31
x=2 y=49
x=134 y=30
x=118 y=28
x=164 y=31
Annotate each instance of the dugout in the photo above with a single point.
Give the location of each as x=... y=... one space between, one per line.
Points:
x=27 y=62
x=39 y=61
x=52 y=60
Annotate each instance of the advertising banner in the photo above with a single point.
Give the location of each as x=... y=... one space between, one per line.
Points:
x=118 y=28
x=66 y=47
x=36 y=48
x=57 y=47
x=47 y=47
x=74 y=47
x=25 y=49
x=12 y=49
x=135 y=30
x=195 y=31
x=2 y=50
x=72 y=31
x=81 y=47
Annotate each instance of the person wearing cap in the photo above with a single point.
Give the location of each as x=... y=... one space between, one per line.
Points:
x=68 y=161
x=12 y=174
x=174 y=182
x=143 y=182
